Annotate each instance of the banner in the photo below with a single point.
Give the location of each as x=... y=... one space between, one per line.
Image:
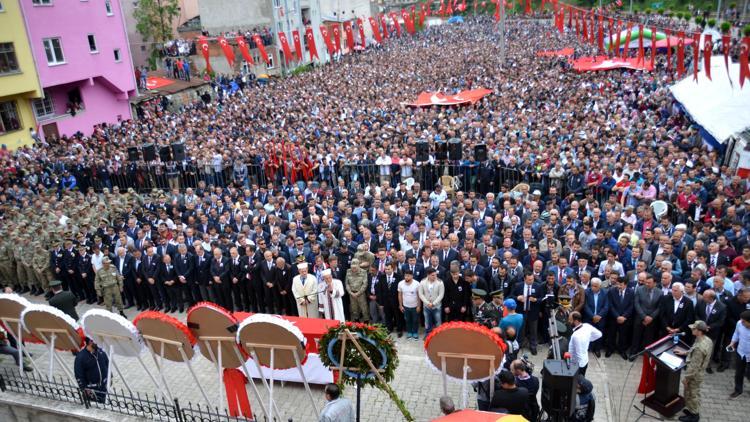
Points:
x=436 y=98
x=708 y=47
x=327 y=39
x=349 y=35
x=375 y=29
x=600 y=34
x=565 y=52
x=407 y=21
x=297 y=44
x=653 y=45
x=361 y=27
x=203 y=47
x=641 y=52
x=244 y=49
x=384 y=25
x=726 y=41
x=395 y=23
x=337 y=37
x=744 y=65
x=696 y=54
x=311 y=43
x=228 y=52
x=680 y=53
x=261 y=48
x=593 y=64
x=285 y=47
x=625 y=47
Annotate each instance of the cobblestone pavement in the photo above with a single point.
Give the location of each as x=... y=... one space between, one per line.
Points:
x=615 y=382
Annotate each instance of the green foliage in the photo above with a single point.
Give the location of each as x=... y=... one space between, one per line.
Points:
x=725 y=27
x=301 y=69
x=154 y=19
x=712 y=23
x=746 y=30
x=661 y=11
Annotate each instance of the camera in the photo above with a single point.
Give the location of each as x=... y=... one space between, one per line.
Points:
x=527 y=364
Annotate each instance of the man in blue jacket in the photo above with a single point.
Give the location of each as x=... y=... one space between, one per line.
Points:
x=595 y=309
x=90 y=369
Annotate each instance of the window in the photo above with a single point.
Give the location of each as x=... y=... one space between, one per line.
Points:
x=44 y=107
x=8 y=62
x=117 y=55
x=108 y=7
x=92 y=43
x=53 y=49
x=41 y=2
x=9 y=120
x=270 y=62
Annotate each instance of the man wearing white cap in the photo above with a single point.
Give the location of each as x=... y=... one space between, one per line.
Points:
x=333 y=304
x=305 y=291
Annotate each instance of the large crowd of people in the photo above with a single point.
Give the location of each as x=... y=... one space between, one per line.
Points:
x=561 y=206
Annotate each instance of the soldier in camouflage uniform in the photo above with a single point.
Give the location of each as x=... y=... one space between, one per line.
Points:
x=356 y=287
x=108 y=285
x=7 y=267
x=365 y=255
x=698 y=359
x=484 y=313
x=22 y=255
x=40 y=263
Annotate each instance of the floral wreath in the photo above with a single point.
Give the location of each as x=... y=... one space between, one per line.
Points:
x=470 y=327
x=378 y=347
x=274 y=320
x=101 y=320
x=57 y=313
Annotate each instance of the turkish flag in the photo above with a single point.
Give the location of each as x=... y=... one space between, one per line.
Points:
x=327 y=38
x=653 y=45
x=395 y=23
x=592 y=37
x=297 y=44
x=726 y=41
x=244 y=49
x=696 y=54
x=617 y=40
x=680 y=53
x=261 y=48
x=311 y=43
x=384 y=25
x=442 y=6
x=600 y=34
x=361 y=27
x=744 y=65
x=375 y=30
x=228 y=52
x=578 y=25
x=349 y=35
x=203 y=46
x=585 y=30
x=611 y=45
x=497 y=10
x=641 y=52
x=527 y=8
x=407 y=21
x=285 y=47
x=336 y=36
x=626 y=46
x=708 y=47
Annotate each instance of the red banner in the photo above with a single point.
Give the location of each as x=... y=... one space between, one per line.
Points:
x=395 y=23
x=617 y=40
x=384 y=26
x=565 y=52
x=327 y=39
x=203 y=46
x=407 y=21
x=436 y=98
x=349 y=35
x=261 y=48
x=244 y=49
x=593 y=64
x=375 y=30
x=361 y=27
x=653 y=45
x=527 y=7
x=726 y=41
x=680 y=53
x=641 y=51
x=228 y=52
x=744 y=59
x=337 y=36
x=626 y=46
x=696 y=54
x=585 y=29
x=297 y=44
x=708 y=47
x=311 y=43
x=285 y=47
x=600 y=34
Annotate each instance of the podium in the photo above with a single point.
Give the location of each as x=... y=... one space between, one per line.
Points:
x=666 y=397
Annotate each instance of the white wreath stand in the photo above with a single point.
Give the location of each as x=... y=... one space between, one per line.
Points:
x=464 y=357
x=49 y=337
x=19 y=342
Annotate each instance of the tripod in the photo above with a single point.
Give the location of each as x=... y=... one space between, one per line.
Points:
x=554 y=335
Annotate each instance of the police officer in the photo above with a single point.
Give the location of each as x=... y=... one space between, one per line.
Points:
x=497 y=301
x=698 y=359
x=484 y=313
x=108 y=285
x=90 y=368
x=356 y=287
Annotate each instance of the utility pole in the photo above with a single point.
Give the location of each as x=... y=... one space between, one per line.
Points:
x=718 y=11
x=502 y=35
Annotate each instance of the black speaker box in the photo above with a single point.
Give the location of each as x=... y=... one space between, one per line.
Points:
x=149 y=152
x=178 y=151
x=165 y=154
x=454 y=149
x=559 y=387
x=423 y=151
x=133 y=154
x=441 y=150
x=480 y=152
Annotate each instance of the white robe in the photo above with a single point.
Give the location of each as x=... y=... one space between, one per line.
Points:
x=337 y=299
x=307 y=290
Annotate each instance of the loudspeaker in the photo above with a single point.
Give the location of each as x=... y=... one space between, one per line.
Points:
x=441 y=150
x=423 y=151
x=133 y=154
x=165 y=154
x=454 y=149
x=480 y=152
x=559 y=388
x=178 y=151
x=149 y=152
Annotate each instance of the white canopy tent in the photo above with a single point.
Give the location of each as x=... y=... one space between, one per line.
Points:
x=720 y=107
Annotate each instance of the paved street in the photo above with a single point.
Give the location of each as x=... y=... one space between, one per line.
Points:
x=420 y=387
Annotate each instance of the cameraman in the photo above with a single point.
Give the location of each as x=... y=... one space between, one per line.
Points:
x=522 y=370
x=510 y=398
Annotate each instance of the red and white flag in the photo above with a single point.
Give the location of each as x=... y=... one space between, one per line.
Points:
x=244 y=49
x=311 y=43
x=744 y=60
x=327 y=39
x=349 y=35
x=297 y=44
x=361 y=27
x=708 y=47
x=375 y=29
x=228 y=52
x=203 y=46
x=336 y=36
x=383 y=25
x=285 y=47
x=395 y=23
x=680 y=53
x=261 y=48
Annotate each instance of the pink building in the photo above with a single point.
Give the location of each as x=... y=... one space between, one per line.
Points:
x=83 y=60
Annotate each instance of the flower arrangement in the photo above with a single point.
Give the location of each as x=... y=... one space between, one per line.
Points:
x=375 y=344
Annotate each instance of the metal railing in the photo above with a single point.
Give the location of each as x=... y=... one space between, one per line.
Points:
x=146 y=406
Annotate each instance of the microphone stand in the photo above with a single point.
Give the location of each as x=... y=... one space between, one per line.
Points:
x=642 y=410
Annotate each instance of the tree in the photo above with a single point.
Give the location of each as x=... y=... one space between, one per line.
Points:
x=154 y=22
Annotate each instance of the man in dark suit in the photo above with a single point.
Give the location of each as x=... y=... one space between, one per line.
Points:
x=63 y=300
x=124 y=263
x=249 y=273
x=620 y=318
x=85 y=272
x=676 y=313
x=260 y=285
x=646 y=307
x=168 y=278
x=68 y=270
x=387 y=292
x=150 y=266
x=595 y=310
x=528 y=297
x=184 y=264
x=414 y=267
x=713 y=313
x=200 y=287
x=280 y=297
x=220 y=281
x=236 y=278
x=446 y=254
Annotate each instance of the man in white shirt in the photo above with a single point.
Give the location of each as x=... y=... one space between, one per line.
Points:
x=333 y=304
x=583 y=335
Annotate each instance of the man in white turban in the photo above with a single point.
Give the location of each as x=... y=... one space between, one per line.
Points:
x=333 y=304
x=305 y=291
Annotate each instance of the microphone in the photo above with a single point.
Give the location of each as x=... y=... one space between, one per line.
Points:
x=566 y=356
